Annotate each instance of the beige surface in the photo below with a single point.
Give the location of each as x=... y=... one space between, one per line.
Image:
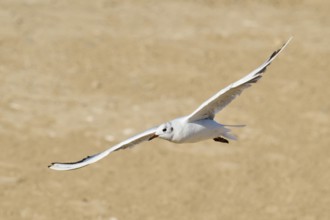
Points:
x=79 y=76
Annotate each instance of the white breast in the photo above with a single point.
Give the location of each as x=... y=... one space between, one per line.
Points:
x=197 y=131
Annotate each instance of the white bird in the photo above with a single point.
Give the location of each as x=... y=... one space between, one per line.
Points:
x=199 y=125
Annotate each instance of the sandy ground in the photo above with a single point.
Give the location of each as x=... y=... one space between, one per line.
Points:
x=80 y=76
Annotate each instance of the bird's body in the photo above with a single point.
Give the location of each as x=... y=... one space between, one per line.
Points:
x=198 y=126
x=191 y=132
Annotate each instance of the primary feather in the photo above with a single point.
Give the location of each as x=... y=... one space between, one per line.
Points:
x=225 y=96
x=145 y=136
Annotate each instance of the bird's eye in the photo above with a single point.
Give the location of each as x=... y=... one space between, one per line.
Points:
x=164 y=130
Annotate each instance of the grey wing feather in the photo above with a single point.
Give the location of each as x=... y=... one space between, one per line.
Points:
x=145 y=136
x=225 y=96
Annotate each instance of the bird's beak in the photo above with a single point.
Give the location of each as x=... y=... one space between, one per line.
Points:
x=153 y=137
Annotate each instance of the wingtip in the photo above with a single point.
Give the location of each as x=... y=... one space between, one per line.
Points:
x=287 y=42
x=73 y=165
x=276 y=52
x=53 y=166
x=64 y=166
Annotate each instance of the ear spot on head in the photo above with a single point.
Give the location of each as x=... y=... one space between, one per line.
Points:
x=171 y=128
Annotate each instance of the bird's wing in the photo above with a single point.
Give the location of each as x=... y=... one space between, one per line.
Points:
x=217 y=102
x=145 y=136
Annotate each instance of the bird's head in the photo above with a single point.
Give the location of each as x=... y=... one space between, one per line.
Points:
x=164 y=131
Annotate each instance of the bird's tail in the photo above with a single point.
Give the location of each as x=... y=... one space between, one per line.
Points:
x=228 y=133
x=234 y=126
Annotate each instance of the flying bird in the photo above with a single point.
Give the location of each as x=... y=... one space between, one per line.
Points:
x=199 y=125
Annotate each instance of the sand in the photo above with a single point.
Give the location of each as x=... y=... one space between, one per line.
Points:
x=80 y=76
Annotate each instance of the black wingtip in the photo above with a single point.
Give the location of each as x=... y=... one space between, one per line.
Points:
x=279 y=50
x=274 y=54
x=68 y=163
x=271 y=57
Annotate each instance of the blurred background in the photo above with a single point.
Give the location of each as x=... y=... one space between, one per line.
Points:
x=79 y=76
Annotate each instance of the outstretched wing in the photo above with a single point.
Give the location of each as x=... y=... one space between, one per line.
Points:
x=217 y=102
x=145 y=136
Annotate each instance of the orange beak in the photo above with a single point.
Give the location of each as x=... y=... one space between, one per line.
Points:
x=153 y=137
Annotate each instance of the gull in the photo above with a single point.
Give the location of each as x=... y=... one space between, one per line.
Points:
x=198 y=126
